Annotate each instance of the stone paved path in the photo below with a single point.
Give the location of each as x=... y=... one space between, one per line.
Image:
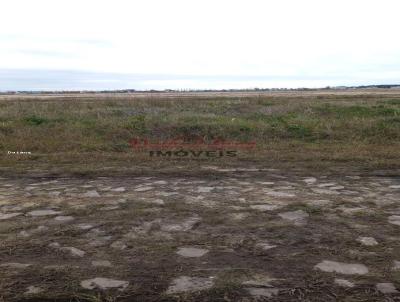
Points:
x=244 y=235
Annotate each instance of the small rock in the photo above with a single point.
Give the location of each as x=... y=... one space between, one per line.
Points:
x=265 y=246
x=73 y=251
x=326 y=184
x=9 y=215
x=184 y=226
x=191 y=252
x=395 y=187
x=310 y=180
x=189 y=284
x=104 y=283
x=336 y=188
x=92 y=193
x=368 y=241
x=259 y=292
x=64 y=218
x=319 y=202
x=110 y=208
x=84 y=226
x=143 y=189
x=204 y=189
x=386 y=288
x=54 y=194
x=55 y=245
x=343 y=282
x=101 y=263
x=264 y=207
x=342 y=268
x=157 y=201
x=15 y=265
x=394 y=219
x=267 y=183
x=119 y=245
x=325 y=191
x=298 y=217
x=38 y=213
x=239 y=216
x=280 y=194
x=120 y=189
x=160 y=182
x=396 y=265
x=33 y=290
x=259 y=281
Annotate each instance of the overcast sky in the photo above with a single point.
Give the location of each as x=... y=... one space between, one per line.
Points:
x=145 y=44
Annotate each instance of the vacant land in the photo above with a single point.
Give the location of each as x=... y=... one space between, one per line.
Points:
x=92 y=133
x=310 y=214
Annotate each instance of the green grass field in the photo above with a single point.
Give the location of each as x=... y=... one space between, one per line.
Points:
x=88 y=133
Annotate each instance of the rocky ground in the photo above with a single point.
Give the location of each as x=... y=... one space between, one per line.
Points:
x=223 y=235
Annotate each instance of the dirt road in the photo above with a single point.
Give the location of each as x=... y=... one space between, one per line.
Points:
x=229 y=235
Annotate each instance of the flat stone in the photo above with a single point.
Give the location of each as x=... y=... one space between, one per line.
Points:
x=64 y=218
x=120 y=189
x=265 y=246
x=144 y=189
x=386 y=288
x=368 y=241
x=343 y=282
x=259 y=292
x=264 y=207
x=157 y=201
x=191 y=252
x=325 y=191
x=280 y=194
x=54 y=193
x=204 y=189
x=39 y=229
x=54 y=267
x=11 y=208
x=342 y=268
x=336 y=188
x=54 y=245
x=239 y=216
x=38 y=213
x=99 y=241
x=319 y=202
x=259 y=281
x=353 y=210
x=166 y=194
x=101 y=263
x=104 y=283
x=395 y=187
x=298 y=217
x=73 y=251
x=396 y=265
x=310 y=180
x=184 y=226
x=189 y=284
x=15 y=265
x=110 y=208
x=394 y=219
x=267 y=183
x=92 y=193
x=84 y=226
x=327 y=184
x=33 y=290
x=160 y=182
x=8 y=215
x=118 y=245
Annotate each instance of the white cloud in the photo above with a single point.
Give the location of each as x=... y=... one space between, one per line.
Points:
x=210 y=37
